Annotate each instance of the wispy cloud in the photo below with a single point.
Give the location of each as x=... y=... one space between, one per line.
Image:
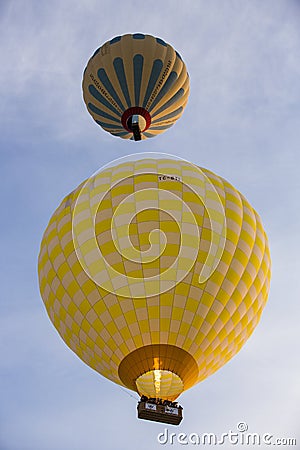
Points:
x=242 y=121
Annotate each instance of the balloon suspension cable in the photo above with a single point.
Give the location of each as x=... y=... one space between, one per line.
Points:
x=128 y=393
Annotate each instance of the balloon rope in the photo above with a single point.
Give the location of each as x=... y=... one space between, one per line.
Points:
x=128 y=393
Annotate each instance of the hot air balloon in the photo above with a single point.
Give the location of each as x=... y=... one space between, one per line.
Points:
x=155 y=273
x=135 y=86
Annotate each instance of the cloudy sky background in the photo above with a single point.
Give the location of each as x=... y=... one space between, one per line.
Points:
x=242 y=122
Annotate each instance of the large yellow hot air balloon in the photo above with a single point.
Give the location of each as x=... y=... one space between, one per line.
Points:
x=135 y=86
x=155 y=273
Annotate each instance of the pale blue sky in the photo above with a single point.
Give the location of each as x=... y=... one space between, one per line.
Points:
x=242 y=122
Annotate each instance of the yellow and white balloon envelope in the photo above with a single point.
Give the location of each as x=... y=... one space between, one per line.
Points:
x=155 y=272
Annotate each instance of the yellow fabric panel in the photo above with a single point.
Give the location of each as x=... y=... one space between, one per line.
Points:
x=105 y=321
x=161 y=384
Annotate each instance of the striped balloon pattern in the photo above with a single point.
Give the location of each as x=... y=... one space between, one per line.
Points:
x=126 y=298
x=135 y=75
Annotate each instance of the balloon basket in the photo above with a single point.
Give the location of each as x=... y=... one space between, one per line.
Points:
x=159 y=412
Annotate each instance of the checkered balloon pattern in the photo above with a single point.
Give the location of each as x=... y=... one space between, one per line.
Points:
x=155 y=270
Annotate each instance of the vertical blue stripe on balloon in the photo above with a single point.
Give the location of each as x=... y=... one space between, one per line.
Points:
x=107 y=84
x=168 y=116
x=170 y=102
x=110 y=125
x=138 y=62
x=96 y=94
x=101 y=113
x=166 y=87
x=96 y=51
x=162 y=127
x=156 y=69
x=120 y=134
x=119 y=69
x=138 y=36
x=179 y=56
x=116 y=39
x=160 y=41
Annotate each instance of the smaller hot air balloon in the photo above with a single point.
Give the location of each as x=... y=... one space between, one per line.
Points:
x=135 y=86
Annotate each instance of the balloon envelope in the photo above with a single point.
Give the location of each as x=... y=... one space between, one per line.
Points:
x=135 y=86
x=155 y=273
